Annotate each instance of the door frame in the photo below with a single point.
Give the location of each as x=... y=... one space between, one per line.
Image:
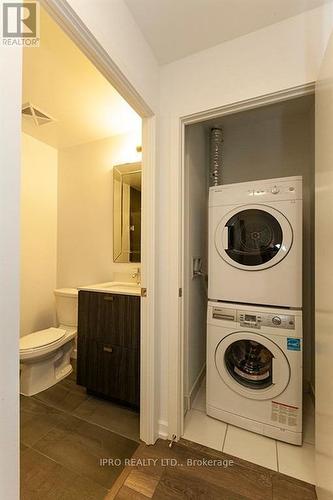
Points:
x=176 y=404
x=73 y=26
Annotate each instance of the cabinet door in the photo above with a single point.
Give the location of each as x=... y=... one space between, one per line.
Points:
x=114 y=371
x=110 y=318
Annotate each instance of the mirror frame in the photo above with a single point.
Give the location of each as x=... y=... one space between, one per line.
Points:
x=121 y=170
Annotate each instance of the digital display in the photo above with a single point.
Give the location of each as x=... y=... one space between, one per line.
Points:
x=250 y=317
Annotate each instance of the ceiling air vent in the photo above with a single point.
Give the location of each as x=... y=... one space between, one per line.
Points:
x=39 y=117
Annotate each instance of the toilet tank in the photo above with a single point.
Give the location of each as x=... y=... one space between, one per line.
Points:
x=66 y=306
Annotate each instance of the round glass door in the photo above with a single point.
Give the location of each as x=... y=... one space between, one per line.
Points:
x=253 y=238
x=252 y=365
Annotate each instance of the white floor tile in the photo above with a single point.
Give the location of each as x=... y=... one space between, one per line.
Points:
x=204 y=430
x=249 y=446
x=297 y=461
x=199 y=402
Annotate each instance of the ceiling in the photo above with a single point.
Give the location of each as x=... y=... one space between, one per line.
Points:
x=61 y=82
x=177 y=28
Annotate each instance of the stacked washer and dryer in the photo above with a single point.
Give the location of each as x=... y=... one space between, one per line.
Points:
x=254 y=334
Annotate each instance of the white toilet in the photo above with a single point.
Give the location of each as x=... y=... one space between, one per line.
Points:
x=45 y=356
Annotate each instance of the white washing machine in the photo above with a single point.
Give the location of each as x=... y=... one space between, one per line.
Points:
x=255 y=242
x=254 y=369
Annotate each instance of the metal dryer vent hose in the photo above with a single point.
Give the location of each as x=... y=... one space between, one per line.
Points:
x=216 y=156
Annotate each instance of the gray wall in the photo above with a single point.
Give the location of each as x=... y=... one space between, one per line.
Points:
x=196 y=245
x=267 y=142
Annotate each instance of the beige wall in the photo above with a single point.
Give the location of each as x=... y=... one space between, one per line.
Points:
x=85 y=209
x=38 y=234
x=324 y=278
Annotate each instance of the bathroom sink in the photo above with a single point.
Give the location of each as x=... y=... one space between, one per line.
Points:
x=123 y=286
x=114 y=287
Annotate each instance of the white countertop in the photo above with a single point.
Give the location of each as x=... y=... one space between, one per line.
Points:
x=117 y=287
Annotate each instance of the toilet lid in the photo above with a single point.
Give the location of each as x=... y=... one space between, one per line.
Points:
x=41 y=338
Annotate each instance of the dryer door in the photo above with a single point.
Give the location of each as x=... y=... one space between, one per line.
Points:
x=252 y=365
x=253 y=237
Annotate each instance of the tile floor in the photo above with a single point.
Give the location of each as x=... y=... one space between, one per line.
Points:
x=294 y=461
x=64 y=433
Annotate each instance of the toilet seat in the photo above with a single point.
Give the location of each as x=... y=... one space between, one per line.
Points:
x=41 y=339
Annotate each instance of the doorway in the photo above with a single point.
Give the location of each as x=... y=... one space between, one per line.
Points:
x=60 y=158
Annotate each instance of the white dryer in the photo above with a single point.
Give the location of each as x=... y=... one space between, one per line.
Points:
x=255 y=242
x=254 y=369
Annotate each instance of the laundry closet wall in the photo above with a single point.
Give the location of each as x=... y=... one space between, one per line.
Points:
x=196 y=245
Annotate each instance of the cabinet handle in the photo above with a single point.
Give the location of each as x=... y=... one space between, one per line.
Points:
x=107 y=349
x=109 y=299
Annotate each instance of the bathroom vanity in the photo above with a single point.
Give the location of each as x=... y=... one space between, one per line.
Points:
x=108 y=360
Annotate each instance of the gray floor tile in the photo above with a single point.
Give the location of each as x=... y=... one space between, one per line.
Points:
x=113 y=417
x=65 y=396
x=80 y=447
x=37 y=419
x=44 y=479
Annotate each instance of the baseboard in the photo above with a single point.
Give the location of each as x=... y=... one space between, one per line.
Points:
x=163 y=429
x=188 y=399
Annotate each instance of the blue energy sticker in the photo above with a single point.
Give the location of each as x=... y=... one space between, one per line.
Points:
x=293 y=344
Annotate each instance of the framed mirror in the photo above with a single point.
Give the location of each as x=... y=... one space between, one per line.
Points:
x=127 y=212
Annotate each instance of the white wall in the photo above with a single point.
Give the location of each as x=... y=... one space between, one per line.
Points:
x=277 y=57
x=39 y=180
x=196 y=235
x=324 y=278
x=10 y=143
x=85 y=209
x=111 y=22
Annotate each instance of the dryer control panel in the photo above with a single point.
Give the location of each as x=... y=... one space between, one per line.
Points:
x=251 y=319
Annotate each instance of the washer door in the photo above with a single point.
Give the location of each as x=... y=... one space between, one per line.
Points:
x=253 y=237
x=252 y=365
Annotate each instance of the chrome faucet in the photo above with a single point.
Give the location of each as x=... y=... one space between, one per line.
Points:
x=137 y=275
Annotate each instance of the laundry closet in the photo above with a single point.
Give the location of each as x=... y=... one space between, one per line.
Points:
x=274 y=141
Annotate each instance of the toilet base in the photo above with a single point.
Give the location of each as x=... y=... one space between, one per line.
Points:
x=40 y=374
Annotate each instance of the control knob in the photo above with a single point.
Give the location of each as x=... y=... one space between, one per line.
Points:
x=275 y=190
x=276 y=320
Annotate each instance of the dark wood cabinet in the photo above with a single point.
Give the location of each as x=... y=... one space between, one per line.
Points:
x=108 y=361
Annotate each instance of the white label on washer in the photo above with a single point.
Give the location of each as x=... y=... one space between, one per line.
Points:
x=284 y=414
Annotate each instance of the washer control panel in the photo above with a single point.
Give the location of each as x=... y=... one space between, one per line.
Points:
x=256 y=320
x=252 y=319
